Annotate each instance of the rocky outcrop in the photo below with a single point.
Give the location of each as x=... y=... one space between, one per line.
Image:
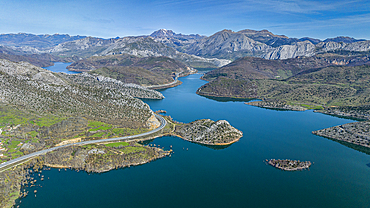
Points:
x=209 y=132
x=354 y=46
x=356 y=133
x=267 y=37
x=299 y=49
x=228 y=45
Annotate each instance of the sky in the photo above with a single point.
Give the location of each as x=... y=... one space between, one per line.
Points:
x=120 y=18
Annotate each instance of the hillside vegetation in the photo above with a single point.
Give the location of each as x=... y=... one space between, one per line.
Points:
x=325 y=87
x=132 y=69
x=42 y=91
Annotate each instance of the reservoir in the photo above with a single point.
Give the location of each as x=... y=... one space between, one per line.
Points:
x=60 y=67
x=233 y=176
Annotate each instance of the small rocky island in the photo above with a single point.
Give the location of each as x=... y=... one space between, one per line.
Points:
x=289 y=165
x=208 y=132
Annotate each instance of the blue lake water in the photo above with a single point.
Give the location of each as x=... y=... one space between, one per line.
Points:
x=60 y=67
x=236 y=176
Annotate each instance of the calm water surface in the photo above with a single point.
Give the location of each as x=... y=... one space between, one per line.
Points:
x=236 y=176
x=61 y=67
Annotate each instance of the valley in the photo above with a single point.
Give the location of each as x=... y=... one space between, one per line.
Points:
x=114 y=95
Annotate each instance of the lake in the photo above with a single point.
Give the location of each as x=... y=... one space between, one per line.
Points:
x=60 y=67
x=235 y=176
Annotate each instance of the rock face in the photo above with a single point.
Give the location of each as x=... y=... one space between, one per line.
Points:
x=299 y=49
x=267 y=37
x=209 y=132
x=227 y=44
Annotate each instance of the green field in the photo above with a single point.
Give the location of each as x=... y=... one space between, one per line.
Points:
x=117 y=144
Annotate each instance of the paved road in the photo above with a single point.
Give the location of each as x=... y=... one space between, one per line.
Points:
x=26 y=157
x=165 y=85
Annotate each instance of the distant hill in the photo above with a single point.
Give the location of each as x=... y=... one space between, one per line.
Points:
x=315 y=82
x=232 y=45
x=267 y=37
x=36 y=41
x=40 y=60
x=163 y=33
x=194 y=50
x=141 y=46
x=227 y=44
x=132 y=69
x=259 y=68
x=343 y=39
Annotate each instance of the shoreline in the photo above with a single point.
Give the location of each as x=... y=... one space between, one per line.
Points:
x=208 y=144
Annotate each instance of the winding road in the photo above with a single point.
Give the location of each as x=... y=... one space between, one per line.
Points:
x=165 y=85
x=29 y=156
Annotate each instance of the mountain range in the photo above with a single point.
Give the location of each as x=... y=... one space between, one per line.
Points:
x=193 y=50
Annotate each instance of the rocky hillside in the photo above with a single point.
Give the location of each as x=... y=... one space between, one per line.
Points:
x=193 y=50
x=267 y=37
x=174 y=40
x=85 y=47
x=141 y=46
x=41 y=91
x=227 y=44
x=307 y=49
x=232 y=45
x=209 y=132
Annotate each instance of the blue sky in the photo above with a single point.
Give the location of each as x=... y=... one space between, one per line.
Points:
x=112 y=18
